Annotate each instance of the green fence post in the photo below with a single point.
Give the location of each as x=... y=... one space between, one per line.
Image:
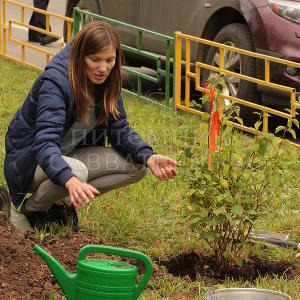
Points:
x=83 y=21
x=76 y=24
x=139 y=86
x=167 y=77
x=174 y=59
x=158 y=68
x=140 y=37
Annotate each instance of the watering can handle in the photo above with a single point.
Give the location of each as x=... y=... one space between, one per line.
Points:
x=124 y=253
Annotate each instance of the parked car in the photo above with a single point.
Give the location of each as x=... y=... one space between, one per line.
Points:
x=269 y=27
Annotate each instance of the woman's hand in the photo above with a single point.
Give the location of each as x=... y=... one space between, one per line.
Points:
x=162 y=166
x=80 y=192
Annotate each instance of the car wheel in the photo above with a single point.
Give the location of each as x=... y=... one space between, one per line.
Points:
x=235 y=35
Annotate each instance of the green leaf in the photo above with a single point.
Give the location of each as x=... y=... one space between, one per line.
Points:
x=247 y=155
x=195 y=104
x=234 y=174
x=268 y=136
x=229 y=217
x=252 y=214
x=226 y=168
x=239 y=120
x=220 y=210
x=215 y=221
x=255 y=147
x=237 y=209
x=278 y=191
x=204 y=99
x=292 y=132
x=208 y=177
x=262 y=147
x=224 y=183
x=203 y=127
x=200 y=192
x=219 y=198
x=205 y=117
x=296 y=122
x=246 y=175
x=257 y=125
x=239 y=262
x=276 y=141
x=188 y=152
x=190 y=208
x=210 y=236
x=195 y=220
x=279 y=128
x=191 y=192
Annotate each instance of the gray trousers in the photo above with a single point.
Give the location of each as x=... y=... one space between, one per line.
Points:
x=102 y=167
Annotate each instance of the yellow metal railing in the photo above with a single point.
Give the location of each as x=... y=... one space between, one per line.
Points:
x=24 y=45
x=180 y=37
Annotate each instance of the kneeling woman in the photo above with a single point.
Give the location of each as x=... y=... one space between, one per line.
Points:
x=55 y=144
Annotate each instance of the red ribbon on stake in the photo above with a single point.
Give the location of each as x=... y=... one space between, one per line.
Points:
x=215 y=127
x=206 y=86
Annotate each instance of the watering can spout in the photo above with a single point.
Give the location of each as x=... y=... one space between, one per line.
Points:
x=63 y=277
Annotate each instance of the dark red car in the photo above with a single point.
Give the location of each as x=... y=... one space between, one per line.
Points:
x=270 y=27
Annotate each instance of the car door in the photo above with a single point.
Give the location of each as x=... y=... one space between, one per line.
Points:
x=125 y=11
x=168 y=16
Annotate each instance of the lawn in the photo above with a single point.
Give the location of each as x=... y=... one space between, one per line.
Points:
x=148 y=216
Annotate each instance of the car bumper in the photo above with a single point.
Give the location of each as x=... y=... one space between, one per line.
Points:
x=282 y=41
x=276 y=97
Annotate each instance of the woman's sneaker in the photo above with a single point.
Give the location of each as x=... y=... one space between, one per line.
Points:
x=41 y=220
x=4 y=200
x=64 y=215
x=16 y=217
x=19 y=220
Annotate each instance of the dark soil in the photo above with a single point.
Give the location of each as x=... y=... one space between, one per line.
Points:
x=22 y=272
x=25 y=275
x=192 y=264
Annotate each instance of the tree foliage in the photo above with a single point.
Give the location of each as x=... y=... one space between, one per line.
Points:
x=227 y=193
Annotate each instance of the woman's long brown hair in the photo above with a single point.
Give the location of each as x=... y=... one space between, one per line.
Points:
x=94 y=37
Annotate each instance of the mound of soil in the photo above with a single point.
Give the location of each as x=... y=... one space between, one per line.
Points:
x=23 y=273
x=191 y=264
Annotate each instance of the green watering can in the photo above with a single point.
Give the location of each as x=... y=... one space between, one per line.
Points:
x=100 y=278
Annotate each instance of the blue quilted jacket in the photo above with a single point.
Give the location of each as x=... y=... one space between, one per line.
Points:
x=34 y=134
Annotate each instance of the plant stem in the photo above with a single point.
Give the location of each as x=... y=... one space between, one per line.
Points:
x=230 y=155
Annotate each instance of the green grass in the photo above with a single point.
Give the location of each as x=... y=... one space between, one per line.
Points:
x=147 y=216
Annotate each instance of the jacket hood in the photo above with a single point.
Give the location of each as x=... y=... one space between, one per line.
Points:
x=57 y=72
x=60 y=61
